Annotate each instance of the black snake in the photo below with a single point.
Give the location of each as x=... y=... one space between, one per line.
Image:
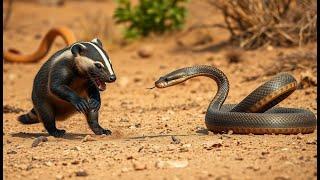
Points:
x=254 y=114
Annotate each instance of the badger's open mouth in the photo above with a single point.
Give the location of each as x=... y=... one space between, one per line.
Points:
x=100 y=84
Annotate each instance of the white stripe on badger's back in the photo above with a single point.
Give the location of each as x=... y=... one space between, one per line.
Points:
x=64 y=55
x=106 y=60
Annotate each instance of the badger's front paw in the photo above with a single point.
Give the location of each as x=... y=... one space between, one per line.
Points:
x=107 y=132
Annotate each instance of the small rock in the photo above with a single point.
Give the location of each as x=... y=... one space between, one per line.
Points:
x=88 y=138
x=175 y=140
x=145 y=51
x=12 y=152
x=75 y=162
x=124 y=120
x=299 y=136
x=230 y=132
x=76 y=148
x=212 y=144
x=255 y=168
x=171 y=164
x=81 y=172
x=48 y=163
x=59 y=177
x=130 y=157
x=314 y=142
x=138 y=166
x=171 y=147
x=125 y=169
x=140 y=148
x=185 y=148
x=282 y=177
x=265 y=153
x=238 y=158
x=165 y=118
x=39 y=140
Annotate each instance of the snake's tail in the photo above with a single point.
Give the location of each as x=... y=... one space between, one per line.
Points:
x=13 y=55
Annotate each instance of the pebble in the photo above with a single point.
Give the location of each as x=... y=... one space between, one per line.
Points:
x=75 y=162
x=88 y=138
x=212 y=144
x=125 y=169
x=238 y=158
x=314 y=142
x=145 y=51
x=255 y=168
x=171 y=164
x=76 y=148
x=81 y=172
x=59 y=177
x=124 y=120
x=185 y=148
x=138 y=166
x=48 y=163
x=12 y=152
x=282 y=177
x=175 y=140
x=39 y=140
x=171 y=147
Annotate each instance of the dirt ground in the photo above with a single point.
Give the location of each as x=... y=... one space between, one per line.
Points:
x=143 y=121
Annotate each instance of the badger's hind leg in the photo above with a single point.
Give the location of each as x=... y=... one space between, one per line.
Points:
x=92 y=119
x=47 y=117
x=29 y=118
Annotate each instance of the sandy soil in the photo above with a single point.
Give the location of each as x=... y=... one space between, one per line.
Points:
x=143 y=121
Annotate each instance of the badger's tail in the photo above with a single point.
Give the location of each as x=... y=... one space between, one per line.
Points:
x=29 y=118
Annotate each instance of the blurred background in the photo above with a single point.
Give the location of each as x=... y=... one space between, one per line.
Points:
x=249 y=40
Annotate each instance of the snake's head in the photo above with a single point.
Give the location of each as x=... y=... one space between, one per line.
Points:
x=171 y=79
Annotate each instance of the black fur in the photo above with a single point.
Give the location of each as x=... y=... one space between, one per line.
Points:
x=60 y=89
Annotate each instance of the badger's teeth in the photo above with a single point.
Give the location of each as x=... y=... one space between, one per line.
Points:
x=101 y=85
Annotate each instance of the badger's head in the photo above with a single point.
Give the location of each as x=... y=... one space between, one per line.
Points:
x=92 y=61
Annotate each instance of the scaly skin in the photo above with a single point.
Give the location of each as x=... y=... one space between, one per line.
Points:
x=255 y=114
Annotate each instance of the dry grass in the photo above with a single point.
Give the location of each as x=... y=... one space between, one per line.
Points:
x=255 y=23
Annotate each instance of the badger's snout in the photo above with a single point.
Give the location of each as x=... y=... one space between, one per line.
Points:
x=111 y=78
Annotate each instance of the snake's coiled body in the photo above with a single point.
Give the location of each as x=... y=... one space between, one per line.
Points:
x=67 y=35
x=255 y=114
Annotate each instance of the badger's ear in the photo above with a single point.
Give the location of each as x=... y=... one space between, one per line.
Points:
x=97 y=42
x=77 y=49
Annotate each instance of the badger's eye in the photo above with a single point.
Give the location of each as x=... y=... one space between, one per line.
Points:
x=98 y=65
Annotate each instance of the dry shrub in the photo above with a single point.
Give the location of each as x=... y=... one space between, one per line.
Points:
x=300 y=61
x=254 y=23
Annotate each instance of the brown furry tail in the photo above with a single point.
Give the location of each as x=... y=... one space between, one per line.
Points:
x=30 y=118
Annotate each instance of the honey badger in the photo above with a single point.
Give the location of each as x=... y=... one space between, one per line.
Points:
x=68 y=82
